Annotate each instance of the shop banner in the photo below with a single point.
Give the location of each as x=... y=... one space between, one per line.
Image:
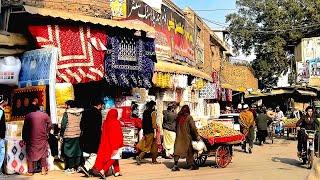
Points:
x=38 y=67
x=118 y=9
x=174 y=35
x=302 y=72
x=314 y=67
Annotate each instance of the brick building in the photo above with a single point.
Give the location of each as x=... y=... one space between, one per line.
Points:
x=210 y=51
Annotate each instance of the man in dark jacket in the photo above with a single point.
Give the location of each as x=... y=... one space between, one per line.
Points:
x=169 y=129
x=262 y=122
x=3 y=103
x=90 y=126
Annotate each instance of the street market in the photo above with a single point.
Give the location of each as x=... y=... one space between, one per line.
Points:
x=140 y=89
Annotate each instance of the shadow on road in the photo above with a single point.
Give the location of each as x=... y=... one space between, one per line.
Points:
x=292 y=162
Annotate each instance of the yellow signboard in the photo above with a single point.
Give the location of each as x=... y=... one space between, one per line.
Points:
x=118 y=9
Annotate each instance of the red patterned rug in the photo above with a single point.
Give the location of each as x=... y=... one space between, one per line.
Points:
x=81 y=51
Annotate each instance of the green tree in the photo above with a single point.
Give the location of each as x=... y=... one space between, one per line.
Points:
x=271 y=29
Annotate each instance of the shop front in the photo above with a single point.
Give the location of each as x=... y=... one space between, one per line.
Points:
x=83 y=60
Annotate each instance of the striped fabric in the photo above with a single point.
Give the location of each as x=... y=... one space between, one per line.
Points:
x=81 y=51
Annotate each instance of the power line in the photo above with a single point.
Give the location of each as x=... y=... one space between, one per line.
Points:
x=266 y=31
x=211 y=10
x=215 y=22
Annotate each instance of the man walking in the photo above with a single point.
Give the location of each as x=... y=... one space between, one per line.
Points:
x=3 y=103
x=169 y=129
x=90 y=126
x=262 y=125
x=247 y=127
x=35 y=134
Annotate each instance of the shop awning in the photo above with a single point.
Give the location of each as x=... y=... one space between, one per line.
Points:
x=180 y=69
x=306 y=93
x=129 y=24
x=226 y=86
x=12 y=39
x=281 y=91
x=10 y=52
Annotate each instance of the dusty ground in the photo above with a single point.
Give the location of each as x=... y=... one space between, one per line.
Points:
x=271 y=161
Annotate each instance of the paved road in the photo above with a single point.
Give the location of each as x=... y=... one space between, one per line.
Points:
x=271 y=161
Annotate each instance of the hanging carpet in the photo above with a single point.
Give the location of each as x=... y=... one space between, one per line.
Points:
x=81 y=51
x=130 y=61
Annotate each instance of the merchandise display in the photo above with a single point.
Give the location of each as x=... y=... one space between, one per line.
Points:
x=216 y=129
x=81 y=50
x=16 y=160
x=38 y=67
x=9 y=70
x=127 y=65
x=14 y=129
x=290 y=122
x=24 y=97
x=64 y=92
x=8 y=113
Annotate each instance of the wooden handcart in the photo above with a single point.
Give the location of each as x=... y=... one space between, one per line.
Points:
x=291 y=130
x=220 y=148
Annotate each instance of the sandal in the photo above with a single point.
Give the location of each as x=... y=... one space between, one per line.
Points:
x=28 y=174
x=156 y=162
x=117 y=174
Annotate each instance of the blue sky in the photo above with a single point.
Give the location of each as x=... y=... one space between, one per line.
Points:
x=216 y=16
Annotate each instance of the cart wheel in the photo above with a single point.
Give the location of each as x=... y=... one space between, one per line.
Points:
x=223 y=156
x=200 y=160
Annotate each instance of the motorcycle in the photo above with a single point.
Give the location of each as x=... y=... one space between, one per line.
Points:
x=308 y=154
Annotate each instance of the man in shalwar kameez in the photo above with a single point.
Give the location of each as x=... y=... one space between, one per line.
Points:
x=35 y=134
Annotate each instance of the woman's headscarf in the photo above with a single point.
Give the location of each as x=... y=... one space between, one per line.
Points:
x=112 y=115
x=183 y=115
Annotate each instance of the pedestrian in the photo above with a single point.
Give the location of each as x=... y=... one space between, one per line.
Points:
x=35 y=134
x=3 y=104
x=149 y=140
x=110 y=146
x=70 y=131
x=262 y=122
x=186 y=133
x=169 y=129
x=134 y=110
x=247 y=124
x=90 y=126
x=253 y=109
x=278 y=118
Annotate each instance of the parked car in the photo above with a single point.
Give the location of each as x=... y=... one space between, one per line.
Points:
x=230 y=120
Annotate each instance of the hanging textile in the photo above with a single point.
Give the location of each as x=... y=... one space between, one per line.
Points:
x=38 y=67
x=127 y=64
x=223 y=94
x=210 y=91
x=81 y=51
x=229 y=95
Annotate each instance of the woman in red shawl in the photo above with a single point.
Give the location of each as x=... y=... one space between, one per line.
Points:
x=110 y=144
x=186 y=133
